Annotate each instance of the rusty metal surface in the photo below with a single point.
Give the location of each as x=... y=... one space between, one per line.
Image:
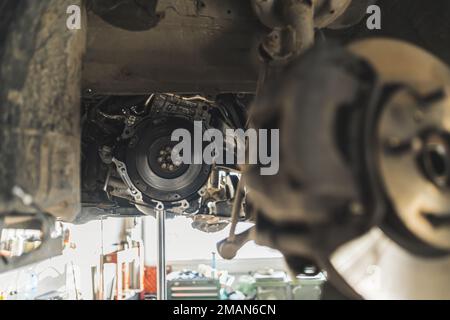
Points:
x=424 y=23
x=198 y=46
x=272 y=12
x=39 y=109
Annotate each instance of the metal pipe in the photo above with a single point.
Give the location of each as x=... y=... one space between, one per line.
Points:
x=161 y=257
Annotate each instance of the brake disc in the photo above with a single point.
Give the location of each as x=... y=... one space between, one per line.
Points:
x=407 y=257
x=364 y=177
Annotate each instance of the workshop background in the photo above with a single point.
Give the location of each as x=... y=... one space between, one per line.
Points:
x=115 y=259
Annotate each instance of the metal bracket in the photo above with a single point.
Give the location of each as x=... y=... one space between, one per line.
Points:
x=134 y=192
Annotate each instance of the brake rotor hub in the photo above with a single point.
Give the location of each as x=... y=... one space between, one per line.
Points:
x=414 y=160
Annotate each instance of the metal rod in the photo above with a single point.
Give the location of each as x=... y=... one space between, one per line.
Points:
x=161 y=265
x=236 y=210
